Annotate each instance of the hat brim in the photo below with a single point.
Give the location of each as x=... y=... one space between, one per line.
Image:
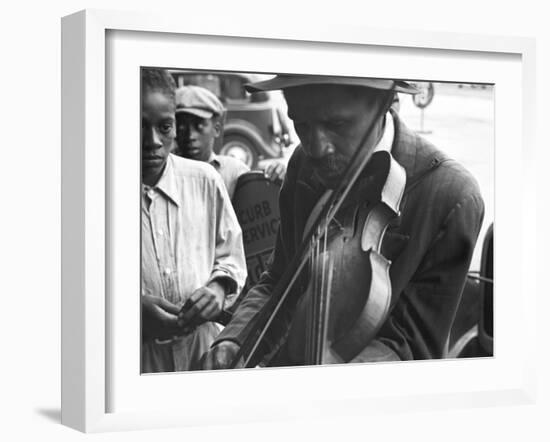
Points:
x=288 y=81
x=201 y=113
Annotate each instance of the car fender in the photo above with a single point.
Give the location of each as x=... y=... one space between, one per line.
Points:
x=248 y=130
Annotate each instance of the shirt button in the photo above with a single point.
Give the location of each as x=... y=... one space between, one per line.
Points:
x=167 y=271
x=160 y=233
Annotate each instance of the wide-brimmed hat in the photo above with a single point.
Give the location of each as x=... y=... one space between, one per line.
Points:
x=198 y=101
x=285 y=81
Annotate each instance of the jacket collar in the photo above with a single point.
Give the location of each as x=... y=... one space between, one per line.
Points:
x=416 y=155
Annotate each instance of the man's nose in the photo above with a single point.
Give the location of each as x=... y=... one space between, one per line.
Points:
x=186 y=131
x=319 y=144
x=151 y=138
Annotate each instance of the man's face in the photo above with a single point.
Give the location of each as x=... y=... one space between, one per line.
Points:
x=331 y=121
x=157 y=134
x=196 y=136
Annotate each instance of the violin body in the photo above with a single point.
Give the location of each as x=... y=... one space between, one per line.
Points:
x=349 y=291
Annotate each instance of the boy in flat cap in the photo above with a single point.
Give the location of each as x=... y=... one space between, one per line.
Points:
x=429 y=243
x=199 y=122
x=192 y=253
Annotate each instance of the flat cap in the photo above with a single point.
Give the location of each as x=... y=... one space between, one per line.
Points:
x=284 y=81
x=198 y=101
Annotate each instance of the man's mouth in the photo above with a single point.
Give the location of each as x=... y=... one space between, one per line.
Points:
x=329 y=169
x=191 y=150
x=329 y=166
x=151 y=158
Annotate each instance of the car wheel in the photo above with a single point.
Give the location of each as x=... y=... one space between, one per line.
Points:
x=240 y=147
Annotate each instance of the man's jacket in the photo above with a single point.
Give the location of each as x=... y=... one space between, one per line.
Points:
x=430 y=245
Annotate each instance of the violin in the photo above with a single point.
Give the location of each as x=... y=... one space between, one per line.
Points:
x=336 y=316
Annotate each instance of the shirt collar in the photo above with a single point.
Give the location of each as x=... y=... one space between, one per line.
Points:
x=214 y=161
x=386 y=141
x=167 y=184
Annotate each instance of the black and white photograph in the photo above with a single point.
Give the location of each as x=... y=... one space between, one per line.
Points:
x=290 y=219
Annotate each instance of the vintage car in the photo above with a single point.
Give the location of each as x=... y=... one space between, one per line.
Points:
x=256 y=126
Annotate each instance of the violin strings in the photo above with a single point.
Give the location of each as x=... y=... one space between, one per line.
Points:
x=309 y=306
x=322 y=301
x=326 y=309
x=315 y=322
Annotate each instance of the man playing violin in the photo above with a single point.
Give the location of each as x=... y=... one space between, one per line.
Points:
x=429 y=242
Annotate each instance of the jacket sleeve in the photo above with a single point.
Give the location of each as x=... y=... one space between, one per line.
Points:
x=256 y=298
x=420 y=322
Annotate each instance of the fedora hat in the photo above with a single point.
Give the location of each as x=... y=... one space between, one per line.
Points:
x=285 y=81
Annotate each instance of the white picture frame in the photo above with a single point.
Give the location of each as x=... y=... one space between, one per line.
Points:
x=86 y=237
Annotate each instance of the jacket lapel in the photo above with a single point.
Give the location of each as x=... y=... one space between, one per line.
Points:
x=411 y=152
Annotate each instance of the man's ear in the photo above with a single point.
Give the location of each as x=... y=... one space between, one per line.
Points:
x=217 y=128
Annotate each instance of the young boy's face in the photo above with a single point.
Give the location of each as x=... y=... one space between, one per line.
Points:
x=157 y=134
x=196 y=136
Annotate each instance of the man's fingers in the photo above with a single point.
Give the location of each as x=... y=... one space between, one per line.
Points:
x=192 y=310
x=149 y=302
x=152 y=307
x=269 y=171
x=203 y=304
x=196 y=295
x=216 y=360
x=212 y=307
x=168 y=306
x=275 y=175
x=168 y=319
x=210 y=311
x=274 y=171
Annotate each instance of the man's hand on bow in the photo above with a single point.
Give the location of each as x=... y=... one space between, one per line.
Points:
x=221 y=356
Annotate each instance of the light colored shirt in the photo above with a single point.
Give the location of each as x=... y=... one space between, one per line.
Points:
x=189 y=236
x=386 y=141
x=230 y=170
